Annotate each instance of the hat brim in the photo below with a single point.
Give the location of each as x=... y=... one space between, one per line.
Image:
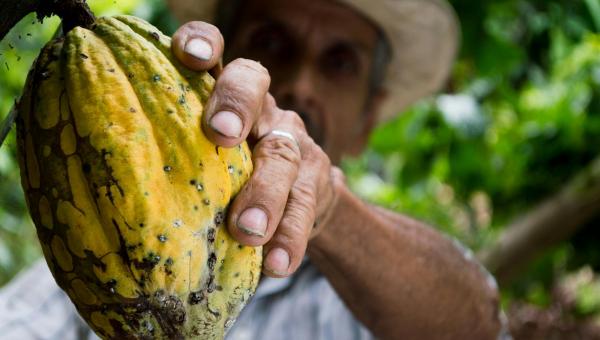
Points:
x=423 y=34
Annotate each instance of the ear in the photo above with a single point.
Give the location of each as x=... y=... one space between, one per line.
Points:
x=370 y=118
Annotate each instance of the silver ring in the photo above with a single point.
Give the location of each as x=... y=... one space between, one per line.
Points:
x=286 y=135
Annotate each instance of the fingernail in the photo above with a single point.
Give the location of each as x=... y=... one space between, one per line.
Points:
x=278 y=261
x=227 y=123
x=253 y=222
x=199 y=49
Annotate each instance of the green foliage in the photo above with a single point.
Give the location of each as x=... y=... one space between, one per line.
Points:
x=521 y=116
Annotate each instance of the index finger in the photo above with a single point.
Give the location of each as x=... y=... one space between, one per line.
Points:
x=239 y=97
x=198 y=45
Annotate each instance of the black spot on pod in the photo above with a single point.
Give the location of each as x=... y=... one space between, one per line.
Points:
x=210 y=287
x=210 y=235
x=206 y=201
x=156 y=77
x=149 y=262
x=212 y=259
x=219 y=218
x=155 y=35
x=167 y=168
x=195 y=298
x=131 y=109
x=162 y=238
x=84 y=56
x=110 y=285
x=86 y=168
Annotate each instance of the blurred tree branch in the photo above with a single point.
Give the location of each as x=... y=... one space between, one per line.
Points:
x=73 y=12
x=13 y=12
x=551 y=222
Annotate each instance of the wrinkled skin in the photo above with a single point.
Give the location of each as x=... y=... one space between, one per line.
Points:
x=315 y=58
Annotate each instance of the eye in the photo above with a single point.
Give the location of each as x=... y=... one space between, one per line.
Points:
x=341 y=60
x=269 y=42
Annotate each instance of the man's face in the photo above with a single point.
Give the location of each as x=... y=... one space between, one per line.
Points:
x=319 y=54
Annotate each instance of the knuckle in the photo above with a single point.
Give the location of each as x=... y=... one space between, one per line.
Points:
x=304 y=197
x=298 y=221
x=201 y=27
x=235 y=98
x=293 y=234
x=266 y=187
x=270 y=101
x=238 y=88
x=294 y=119
x=198 y=29
x=314 y=153
x=322 y=156
x=251 y=66
x=278 y=149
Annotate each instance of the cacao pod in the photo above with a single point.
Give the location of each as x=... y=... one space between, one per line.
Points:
x=127 y=195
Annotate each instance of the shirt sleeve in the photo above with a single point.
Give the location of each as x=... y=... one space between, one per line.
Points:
x=32 y=306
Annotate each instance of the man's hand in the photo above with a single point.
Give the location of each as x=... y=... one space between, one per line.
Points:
x=291 y=192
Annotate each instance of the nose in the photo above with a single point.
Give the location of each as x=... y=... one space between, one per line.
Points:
x=298 y=91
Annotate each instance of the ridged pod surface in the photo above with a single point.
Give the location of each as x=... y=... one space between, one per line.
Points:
x=127 y=195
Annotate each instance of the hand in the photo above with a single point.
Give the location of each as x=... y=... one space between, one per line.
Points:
x=292 y=190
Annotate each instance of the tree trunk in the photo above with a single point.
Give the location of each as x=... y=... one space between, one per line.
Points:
x=548 y=224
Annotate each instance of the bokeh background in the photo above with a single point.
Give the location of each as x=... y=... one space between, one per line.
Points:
x=506 y=159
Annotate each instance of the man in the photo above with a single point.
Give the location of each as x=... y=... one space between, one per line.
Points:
x=342 y=67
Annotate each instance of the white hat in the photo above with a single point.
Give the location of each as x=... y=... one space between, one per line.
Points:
x=423 y=35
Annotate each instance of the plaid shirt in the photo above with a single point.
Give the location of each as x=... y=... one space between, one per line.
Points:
x=301 y=307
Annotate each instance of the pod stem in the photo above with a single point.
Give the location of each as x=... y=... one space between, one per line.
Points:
x=73 y=13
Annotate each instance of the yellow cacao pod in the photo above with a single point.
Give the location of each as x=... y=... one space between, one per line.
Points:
x=127 y=195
